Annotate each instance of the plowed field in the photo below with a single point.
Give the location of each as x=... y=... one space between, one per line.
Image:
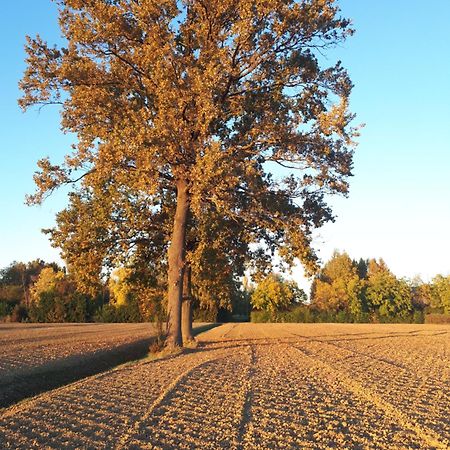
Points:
x=258 y=386
x=37 y=357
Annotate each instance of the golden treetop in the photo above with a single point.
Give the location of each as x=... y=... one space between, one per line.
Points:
x=214 y=93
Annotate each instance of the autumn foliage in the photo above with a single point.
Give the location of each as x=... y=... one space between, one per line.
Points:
x=367 y=290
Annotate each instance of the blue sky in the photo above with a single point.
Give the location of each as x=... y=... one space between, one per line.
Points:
x=399 y=203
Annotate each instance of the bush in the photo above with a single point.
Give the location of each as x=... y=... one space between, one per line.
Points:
x=19 y=314
x=414 y=317
x=331 y=316
x=361 y=317
x=418 y=317
x=126 y=313
x=106 y=314
x=224 y=315
x=300 y=314
x=260 y=317
x=306 y=314
x=129 y=312
x=239 y=318
x=56 y=308
x=6 y=308
x=437 y=318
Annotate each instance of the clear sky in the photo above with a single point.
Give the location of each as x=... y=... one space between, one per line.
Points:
x=399 y=202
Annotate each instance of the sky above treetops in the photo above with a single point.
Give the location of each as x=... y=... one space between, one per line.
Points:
x=399 y=202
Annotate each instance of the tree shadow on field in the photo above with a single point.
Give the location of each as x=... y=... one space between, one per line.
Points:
x=35 y=380
x=31 y=381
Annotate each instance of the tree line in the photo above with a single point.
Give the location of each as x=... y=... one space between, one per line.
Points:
x=347 y=290
x=44 y=292
x=343 y=290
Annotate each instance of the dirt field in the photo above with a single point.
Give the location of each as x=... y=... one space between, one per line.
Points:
x=37 y=357
x=258 y=386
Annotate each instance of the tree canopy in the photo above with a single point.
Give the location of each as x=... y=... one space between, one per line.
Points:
x=363 y=290
x=338 y=286
x=274 y=293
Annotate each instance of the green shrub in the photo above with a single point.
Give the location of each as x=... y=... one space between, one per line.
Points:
x=306 y=314
x=301 y=314
x=6 y=308
x=418 y=317
x=260 y=317
x=127 y=313
x=106 y=314
x=56 y=307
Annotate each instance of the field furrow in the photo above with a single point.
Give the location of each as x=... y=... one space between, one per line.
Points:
x=420 y=400
x=100 y=410
x=299 y=405
x=31 y=346
x=257 y=386
x=34 y=359
x=204 y=410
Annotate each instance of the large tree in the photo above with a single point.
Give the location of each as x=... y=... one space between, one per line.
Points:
x=204 y=97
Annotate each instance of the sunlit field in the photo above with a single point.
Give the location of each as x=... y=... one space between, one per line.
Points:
x=37 y=357
x=257 y=386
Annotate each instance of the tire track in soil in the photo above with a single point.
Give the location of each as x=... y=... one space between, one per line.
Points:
x=430 y=380
x=95 y=412
x=229 y=331
x=423 y=399
x=295 y=405
x=372 y=336
x=369 y=356
x=428 y=436
x=162 y=398
x=426 y=357
x=205 y=408
x=425 y=378
x=245 y=430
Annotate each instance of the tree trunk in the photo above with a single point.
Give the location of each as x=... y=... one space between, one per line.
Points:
x=176 y=259
x=186 y=313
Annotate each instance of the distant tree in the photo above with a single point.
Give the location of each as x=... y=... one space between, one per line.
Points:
x=46 y=281
x=10 y=297
x=440 y=293
x=275 y=293
x=421 y=295
x=119 y=286
x=54 y=298
x=18 y=278
x=136 y=294
x=362 y=268
x=386 y=294
x=338 y=287
x=202 y=99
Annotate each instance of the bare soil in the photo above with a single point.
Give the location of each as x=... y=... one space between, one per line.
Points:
x=257 y=386
x=37 y=357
